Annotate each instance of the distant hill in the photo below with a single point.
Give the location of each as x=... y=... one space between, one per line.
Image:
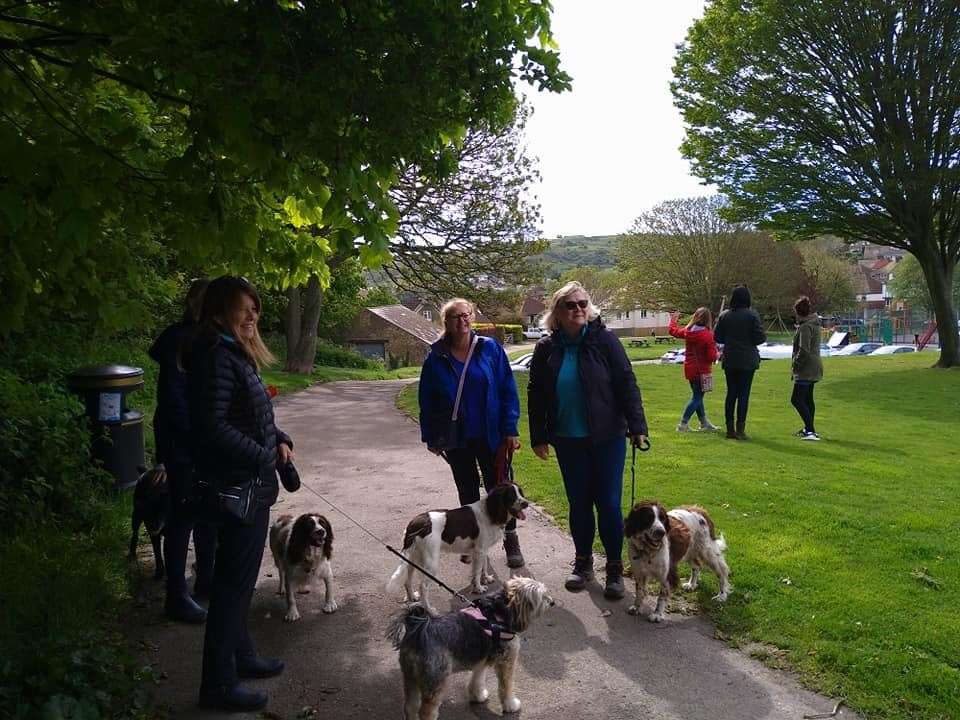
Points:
x=572 y=250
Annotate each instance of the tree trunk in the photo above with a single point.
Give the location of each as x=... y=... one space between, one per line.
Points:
x=302 y=347
x=291 y=322
x=940 y=282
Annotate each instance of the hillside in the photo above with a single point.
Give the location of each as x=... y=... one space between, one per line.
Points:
x=572 y=250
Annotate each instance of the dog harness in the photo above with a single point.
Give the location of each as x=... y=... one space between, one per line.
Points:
x=494 y=628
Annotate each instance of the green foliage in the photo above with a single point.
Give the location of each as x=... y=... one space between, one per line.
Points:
x=254 y=136
x=605 y=285
x=332 y=355
x=859 y=525
x=910 y=285
x=564 y=253
x=378 y=296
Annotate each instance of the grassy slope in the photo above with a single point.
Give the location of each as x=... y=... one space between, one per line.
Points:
x=844 y=553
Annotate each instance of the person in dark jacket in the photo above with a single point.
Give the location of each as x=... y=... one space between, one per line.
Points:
x=739 y=330
x=235 y=443
x=807 y=367
x=171 y=432
x=584 y=400
x=489 y=408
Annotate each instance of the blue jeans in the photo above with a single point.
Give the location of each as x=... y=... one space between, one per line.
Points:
x=696 y=403
x=738 y=395
x=593 y=478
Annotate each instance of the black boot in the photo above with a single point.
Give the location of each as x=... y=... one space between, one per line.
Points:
x=183 y=609
x=256 y=667
x=511 y=545
x=741 y=428
x=613 y=588
x=232 y=698
x=581 y=575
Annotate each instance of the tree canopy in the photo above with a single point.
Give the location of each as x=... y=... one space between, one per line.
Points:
x=838 y=117
x=258 y=135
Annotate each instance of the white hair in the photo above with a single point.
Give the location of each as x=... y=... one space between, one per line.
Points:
x=551 y=319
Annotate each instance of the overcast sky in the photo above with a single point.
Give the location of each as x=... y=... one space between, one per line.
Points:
x=609 y=149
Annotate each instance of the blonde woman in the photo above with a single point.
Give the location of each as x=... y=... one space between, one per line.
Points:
x=584 y=400
x=487 y=415
x=236 y=445
x=701 y=353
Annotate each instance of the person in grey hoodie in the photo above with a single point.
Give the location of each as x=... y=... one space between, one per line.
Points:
x=739 y=330
x=807 y=367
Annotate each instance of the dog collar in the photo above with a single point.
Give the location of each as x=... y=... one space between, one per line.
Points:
x=493 y=628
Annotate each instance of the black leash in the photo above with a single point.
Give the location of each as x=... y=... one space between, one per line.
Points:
x=633 y=468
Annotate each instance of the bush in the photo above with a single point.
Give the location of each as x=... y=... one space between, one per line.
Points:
x=332 y=355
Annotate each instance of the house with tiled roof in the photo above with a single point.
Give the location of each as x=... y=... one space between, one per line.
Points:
x=394 y=334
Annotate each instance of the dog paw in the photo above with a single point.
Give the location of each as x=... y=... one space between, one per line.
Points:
x=688 y=586
x=721 y=596
x=303 y=591
x=511 y=705
x=487 y=579
x=478 y=589
x=330 y=607
x=634 y=610
x=292 y=615
x=655 y=617
x=480 y=697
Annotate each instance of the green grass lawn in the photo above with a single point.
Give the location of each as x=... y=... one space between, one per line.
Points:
x=289 y=382
x=845 y=554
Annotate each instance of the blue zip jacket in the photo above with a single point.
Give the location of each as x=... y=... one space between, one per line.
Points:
x=438 y=391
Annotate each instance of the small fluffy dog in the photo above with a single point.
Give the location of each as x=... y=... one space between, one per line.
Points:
x=469 y=530
x=661 y=540
x=301 y=551
x=431 y=648
x=151 y=506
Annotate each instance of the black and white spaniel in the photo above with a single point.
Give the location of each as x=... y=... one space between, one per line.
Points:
x=301 y=551
x=469 y=530
x=659 y=541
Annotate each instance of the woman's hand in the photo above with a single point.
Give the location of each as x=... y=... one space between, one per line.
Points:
x=513 y=443
x=542 y=451
x=284 y=454
x=639 y=440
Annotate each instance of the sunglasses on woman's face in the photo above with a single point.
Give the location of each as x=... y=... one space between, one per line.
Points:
x=574 y=304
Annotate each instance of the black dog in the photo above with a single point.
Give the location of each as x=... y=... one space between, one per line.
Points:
x=151 y=505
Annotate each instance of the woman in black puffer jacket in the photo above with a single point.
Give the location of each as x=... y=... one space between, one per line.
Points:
x=235 y=443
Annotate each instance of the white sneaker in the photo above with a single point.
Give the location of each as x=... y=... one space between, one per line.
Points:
x=810 y=436
x=708 y=426
x=683 y=427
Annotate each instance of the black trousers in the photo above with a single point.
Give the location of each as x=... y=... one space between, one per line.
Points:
x=464 y=462
x=739 y=383
x=239 y=552
x=176 y=537
x=802 y=400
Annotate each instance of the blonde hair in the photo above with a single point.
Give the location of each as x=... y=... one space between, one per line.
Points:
x=447 y=308
x=702 y=316
x=551 y=318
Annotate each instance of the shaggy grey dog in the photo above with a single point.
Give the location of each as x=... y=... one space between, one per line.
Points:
x=432 y=648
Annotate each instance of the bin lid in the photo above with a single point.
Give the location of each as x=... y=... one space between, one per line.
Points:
x=106 y=377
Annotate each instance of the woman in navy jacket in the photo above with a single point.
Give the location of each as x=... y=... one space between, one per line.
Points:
x=235 y=442
x=489 y=408
x=583 y=399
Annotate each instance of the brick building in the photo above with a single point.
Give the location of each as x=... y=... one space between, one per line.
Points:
x=392 y=333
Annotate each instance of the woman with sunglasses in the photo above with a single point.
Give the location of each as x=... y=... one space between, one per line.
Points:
x=583 y=399
x=463 y=365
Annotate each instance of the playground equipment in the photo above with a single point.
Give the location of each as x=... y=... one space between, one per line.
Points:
x=927 y=334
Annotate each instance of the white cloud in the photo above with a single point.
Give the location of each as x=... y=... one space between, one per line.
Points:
x=609 y=149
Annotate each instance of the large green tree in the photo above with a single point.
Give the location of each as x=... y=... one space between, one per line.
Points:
x=910 y=285
x=834 y=117
x=257 y=135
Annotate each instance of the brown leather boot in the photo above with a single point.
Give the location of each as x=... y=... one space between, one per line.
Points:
x=511 y=545
x=741 y=426
x=732 y=434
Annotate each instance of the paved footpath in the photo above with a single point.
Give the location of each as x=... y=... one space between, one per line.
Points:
x=586 y=659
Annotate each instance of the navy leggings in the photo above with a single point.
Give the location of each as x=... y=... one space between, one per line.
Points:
x=738 y=395
x=593 y=478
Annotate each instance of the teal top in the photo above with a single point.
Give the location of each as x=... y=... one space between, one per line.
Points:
x=571 y=405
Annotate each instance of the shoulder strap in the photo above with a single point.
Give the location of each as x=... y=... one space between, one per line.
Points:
x=463 y=376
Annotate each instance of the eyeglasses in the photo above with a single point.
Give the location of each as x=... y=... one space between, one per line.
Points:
x=461 y=316
x=574 y=304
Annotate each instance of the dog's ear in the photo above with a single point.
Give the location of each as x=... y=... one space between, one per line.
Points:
x=640 y=518
x=497 y=504
x=299 y=538
x=328 y=541
x=664 y=517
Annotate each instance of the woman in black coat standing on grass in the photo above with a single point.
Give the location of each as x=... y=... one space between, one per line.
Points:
x=739 y=330
x=236 y=450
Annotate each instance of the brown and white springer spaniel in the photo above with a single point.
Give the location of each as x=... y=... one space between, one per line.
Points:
x=301 y=551
x=469 y=530
x=659 y=541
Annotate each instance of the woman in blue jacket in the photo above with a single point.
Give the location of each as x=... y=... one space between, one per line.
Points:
x=583 y=399
x=487 y=414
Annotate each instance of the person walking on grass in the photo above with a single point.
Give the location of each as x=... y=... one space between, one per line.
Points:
x=807 y=368
x=583 y=399
x=473 y=370
x=739 y=330
x=701 y=353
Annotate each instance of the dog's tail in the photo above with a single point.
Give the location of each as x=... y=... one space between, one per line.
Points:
x=407 y=622
x=399 y=578
x=721 y=543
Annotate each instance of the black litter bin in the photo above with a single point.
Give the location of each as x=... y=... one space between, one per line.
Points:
x=117 y=431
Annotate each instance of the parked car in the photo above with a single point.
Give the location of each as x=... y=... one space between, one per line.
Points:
x=674 y=357
x=522 y=363
x=893 y=350
x=864 y=348
x=533 y=333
